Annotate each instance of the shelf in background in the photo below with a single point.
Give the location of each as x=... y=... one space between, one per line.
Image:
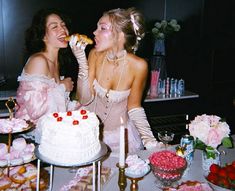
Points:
x=186 y=95
x=4 y=95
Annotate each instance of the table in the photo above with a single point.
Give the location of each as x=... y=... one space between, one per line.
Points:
x=62 y=175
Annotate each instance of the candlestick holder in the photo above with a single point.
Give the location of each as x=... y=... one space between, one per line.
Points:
x=134 y=183
x=122 y=177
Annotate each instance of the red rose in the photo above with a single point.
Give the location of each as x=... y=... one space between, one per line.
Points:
x=69 y=113
x=214 y=168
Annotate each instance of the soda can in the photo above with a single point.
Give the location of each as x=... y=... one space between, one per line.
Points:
x=187 y=142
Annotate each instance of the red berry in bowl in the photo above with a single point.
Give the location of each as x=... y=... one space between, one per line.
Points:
x=212 y=177
x=222 y=172
x=214 y=168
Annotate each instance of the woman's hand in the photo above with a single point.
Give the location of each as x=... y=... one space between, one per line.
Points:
x=68 y=83
x=78 y=49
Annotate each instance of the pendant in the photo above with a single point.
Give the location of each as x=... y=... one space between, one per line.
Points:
x=107 y=94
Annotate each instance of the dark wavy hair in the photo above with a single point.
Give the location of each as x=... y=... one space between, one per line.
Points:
x=35 y=33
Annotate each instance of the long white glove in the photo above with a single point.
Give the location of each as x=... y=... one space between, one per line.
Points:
x=138 y=117
x=83 y=88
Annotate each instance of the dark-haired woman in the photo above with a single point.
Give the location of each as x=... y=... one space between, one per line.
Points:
x=41 y=88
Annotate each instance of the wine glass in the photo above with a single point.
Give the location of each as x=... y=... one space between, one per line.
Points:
x=165 y=137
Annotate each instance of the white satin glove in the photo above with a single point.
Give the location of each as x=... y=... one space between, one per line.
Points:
x=138 y=117
x=83 y=89
x=78 y=49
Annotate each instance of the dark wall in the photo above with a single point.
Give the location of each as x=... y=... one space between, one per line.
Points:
x=202 y=52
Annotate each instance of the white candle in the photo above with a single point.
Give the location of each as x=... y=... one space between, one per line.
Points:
x=122 y=145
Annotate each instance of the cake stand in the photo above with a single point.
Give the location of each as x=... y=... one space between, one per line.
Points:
x=11 y=104
x=95 y=176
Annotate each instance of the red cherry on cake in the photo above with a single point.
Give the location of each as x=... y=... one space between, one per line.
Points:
x=55 y=115
x=69 y=113
x=75 y=122
x=84 y=117
x=83 y=111
x=59 y=119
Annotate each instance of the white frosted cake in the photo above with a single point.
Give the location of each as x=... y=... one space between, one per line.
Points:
x=69 y=137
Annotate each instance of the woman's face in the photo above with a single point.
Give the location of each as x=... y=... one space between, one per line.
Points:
x=56 y=31
x=104 y=35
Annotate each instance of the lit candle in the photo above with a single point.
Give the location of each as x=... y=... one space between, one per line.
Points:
x=122 y=145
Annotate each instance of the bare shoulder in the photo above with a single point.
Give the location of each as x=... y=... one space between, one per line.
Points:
x=37 y=64
x=137 y=63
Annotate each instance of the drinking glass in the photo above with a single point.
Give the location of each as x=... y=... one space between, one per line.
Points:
x=165 y=137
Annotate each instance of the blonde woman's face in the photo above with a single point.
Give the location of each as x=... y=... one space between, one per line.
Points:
x=56 y=31
x=104 y=35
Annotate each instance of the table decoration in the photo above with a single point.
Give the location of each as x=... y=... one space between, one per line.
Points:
x=167 y=167
x=209 y=132
x=136 y=170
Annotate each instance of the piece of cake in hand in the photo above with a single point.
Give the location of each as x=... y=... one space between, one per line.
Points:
x=69 y=138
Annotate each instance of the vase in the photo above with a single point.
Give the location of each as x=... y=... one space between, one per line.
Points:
x=209 y=157
x=159 y=47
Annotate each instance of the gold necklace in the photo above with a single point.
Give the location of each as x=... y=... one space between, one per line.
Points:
x=115 y=58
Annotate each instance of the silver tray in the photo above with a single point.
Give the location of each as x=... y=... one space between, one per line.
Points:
x=103 y=151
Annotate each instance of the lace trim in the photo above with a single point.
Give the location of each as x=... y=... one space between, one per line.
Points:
x=114 y=95
x=38 y=77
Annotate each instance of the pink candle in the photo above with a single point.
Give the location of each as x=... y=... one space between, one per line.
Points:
x=122 y=145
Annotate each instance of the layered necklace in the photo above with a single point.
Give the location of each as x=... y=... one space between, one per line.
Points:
x=115 y=59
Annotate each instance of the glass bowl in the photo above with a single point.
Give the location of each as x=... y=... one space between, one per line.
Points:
x=216 y=187
x=167 y=178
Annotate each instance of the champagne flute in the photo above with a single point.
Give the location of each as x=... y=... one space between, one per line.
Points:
x=165 y=137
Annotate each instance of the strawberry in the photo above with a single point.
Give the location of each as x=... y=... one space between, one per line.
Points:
x=230 y=168
x=69 y=113
x=223 y=182
x=75 y=122
x=214 y=168
x=231 y=176
x=233 y=164
x=84 y=117
x=222 y=172
x=212 y=177
x=83 y=112
x=59 y=119
x=55 y=115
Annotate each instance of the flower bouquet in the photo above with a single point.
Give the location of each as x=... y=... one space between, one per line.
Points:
x=164 y=28
x=209 y=132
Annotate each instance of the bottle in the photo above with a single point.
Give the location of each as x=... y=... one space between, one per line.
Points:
x=180 y=87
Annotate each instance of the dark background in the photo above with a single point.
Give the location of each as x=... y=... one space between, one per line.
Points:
x=202 y=52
